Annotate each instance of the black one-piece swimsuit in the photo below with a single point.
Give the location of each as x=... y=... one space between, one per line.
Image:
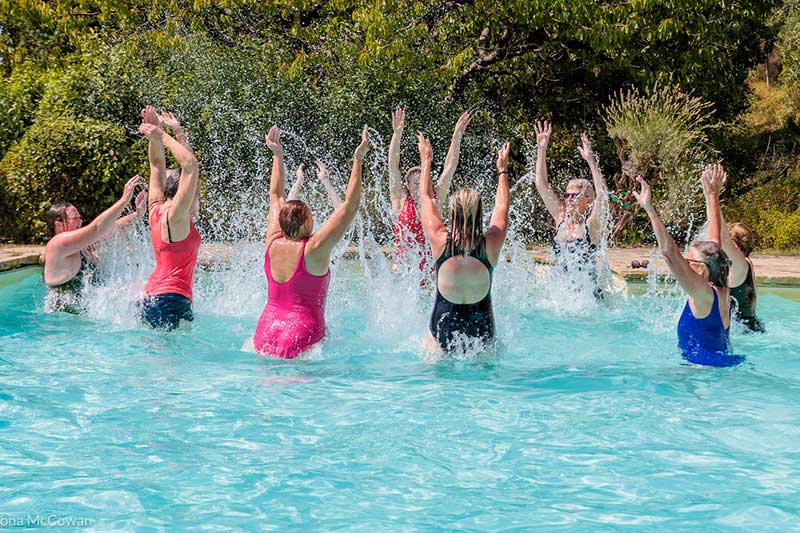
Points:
x=473 y=321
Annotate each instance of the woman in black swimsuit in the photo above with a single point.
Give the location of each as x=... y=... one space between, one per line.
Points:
x=465 y=258
x=737 y=243
x=580 y=217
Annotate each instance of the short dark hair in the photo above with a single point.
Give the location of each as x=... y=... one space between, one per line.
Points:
x=55 y=213
x=172 y=182
x=292 y=219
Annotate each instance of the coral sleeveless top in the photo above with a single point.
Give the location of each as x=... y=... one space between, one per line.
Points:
x=293 y=319
x=175 y=261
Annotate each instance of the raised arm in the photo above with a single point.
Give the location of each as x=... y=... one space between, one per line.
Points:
x=138 y=213
x=432 y=223
x=600 y=207
x=498 y=226
x=396 y=189
x=298 y=182
x=322 y=175
x=323 y=241
x=70 y=242
x=276 y=185
x=551 y=201
x=155 y=153
x=692 y=283
x=187 y=186
x=713 y=180
x=451 y=161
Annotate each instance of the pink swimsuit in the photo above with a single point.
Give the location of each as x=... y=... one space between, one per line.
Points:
x=294 y=318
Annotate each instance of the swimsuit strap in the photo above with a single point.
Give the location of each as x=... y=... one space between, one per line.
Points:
x=166 y=218
x=447 y=255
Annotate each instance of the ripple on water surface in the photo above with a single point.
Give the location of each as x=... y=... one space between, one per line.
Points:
x=583 y=421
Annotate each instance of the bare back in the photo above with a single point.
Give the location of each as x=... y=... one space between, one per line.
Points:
x=463 y=280
x=58 y=267
x=284 y=258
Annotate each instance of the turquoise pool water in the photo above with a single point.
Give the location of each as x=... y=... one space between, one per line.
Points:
x=585 y=421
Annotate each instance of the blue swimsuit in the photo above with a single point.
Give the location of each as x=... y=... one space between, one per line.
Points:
x=704 y=341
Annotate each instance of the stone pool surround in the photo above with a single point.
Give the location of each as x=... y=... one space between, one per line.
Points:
x=771 y=269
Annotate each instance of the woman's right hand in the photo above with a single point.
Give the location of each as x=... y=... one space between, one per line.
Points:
x=150 y=131
x=274 y=141
x=425 y=149
x=713 y=179
x=363 y=147
x=130 y=186
x=643 y=196
x=398 y=120
x=543 y=130
x=321 y=175
x=502 y=158
x=300 y=173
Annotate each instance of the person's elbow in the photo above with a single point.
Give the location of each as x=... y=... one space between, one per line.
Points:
x=189 y=164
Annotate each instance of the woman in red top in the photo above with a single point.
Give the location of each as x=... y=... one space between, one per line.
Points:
x=408 y=235
x=171 y=199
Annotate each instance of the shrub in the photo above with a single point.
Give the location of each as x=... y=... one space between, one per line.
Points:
x=772 y=210
x=19 y=96
x=82 y=161
x=661 y=134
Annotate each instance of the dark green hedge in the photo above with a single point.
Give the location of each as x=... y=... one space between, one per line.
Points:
x=64 y=159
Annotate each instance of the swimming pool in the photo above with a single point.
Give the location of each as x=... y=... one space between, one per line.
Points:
x=586 y=420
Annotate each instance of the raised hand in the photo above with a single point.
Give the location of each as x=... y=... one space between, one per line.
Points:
x=398 y=119
x=363 y=147
x=463 y=122
x=585 y=149
x=171 y=121
x=543 y=130
x=502 y=158
x=150 y=131
x=141 y=203
x=149 y=116
x=713 y=179
x=127 y=192
x=321 y=174
x=643 y=196
x=273 y=140
x=425 y=149
x=300 y=172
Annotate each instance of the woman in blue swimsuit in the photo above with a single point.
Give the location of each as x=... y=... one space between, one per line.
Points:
x=703 y=274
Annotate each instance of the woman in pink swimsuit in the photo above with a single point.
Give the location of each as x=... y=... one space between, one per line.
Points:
x=297 y=260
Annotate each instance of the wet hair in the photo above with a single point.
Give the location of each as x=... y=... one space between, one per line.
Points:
x=715 y=259
x=466 y=223
x=55 y=213
x=743 y=237
x=172 y=182
x=293 y=218
x=587 y=189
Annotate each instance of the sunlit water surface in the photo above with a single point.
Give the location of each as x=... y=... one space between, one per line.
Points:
x=585 y=420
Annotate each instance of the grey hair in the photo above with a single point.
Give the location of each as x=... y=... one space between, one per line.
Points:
x=587 y=189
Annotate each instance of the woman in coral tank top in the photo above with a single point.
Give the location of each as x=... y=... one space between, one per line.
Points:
x=297 y=261
x=171 y=199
